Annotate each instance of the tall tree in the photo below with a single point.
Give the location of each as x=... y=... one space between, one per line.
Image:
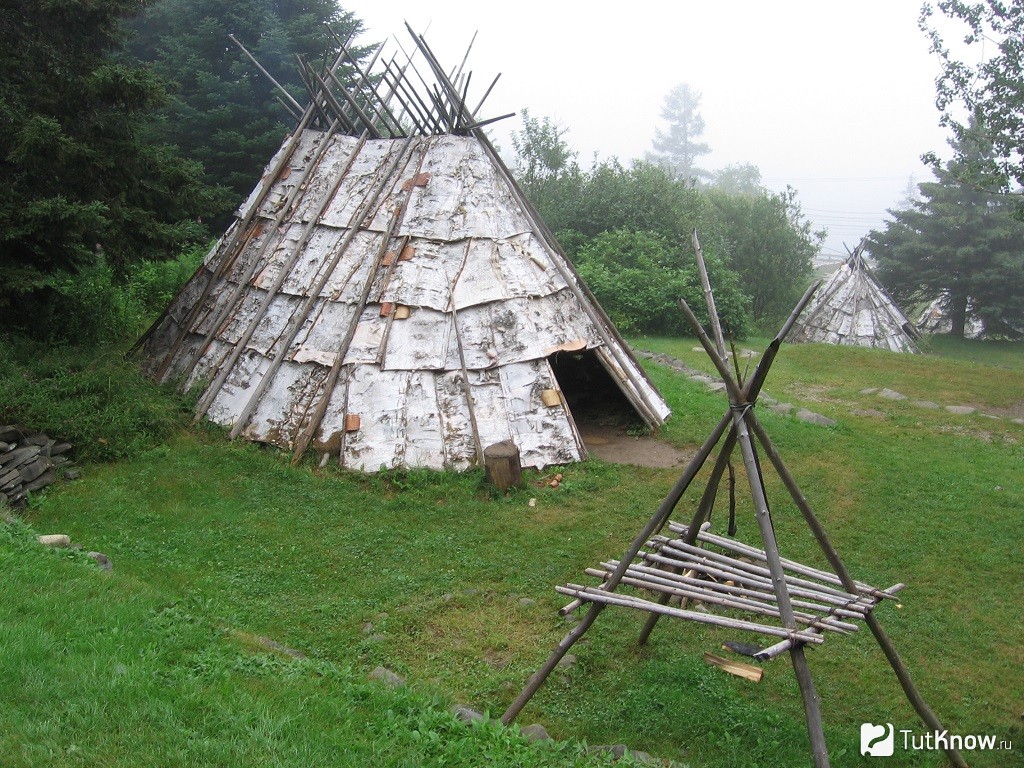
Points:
x=547 y=170
x=766 y=240
x=78 y=184
x=678 y=147
x=959 y=242
x=224 y=113
x=990 y=91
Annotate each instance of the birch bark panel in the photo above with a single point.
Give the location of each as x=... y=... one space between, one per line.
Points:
x=379 y=397
x=456 y=422
x=426 y=279
x=420 y=342
x=332 y=164
x=234 y=394
x=424 y=433
x=278 y=191
x=464 y=197
x=543 y=435
x=282 y=409
x=366 y=173
x=320 y=341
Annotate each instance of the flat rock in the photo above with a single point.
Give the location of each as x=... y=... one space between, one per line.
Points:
x=467 y=714
x=387 y=677
x=716 y=386
x=925 y=404
x=615 y=750
x=891 y=394
x=567 y=661
x=19 y=456
x=101 y=560
x=47 y=478
x=535 y=732
x=869 y=391
x=10 y=433
x=961 y=410
x=784 y=408
x=814 y=418
x=33 y=469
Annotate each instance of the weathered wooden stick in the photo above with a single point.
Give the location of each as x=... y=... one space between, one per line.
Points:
x=270 y=77
x=593 y=594
x=790 y=565
x=709 y=297
x=747 y=605
x=902 y=673
x=852 y=605
x=812 y=707
x=707 y=502
x=755 y=592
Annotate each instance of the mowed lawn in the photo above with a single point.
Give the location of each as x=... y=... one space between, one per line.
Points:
x=452 y=586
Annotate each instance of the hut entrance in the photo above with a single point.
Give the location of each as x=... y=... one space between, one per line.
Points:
x=595 y=400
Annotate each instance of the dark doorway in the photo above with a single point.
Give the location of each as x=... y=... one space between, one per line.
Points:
x=595 y=400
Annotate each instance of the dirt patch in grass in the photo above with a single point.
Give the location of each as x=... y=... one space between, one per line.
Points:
x=614 y=443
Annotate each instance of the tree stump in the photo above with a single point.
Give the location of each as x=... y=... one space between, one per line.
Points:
x=501 y=461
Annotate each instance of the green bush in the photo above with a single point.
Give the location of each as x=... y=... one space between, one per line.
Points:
x=639 y=277
x=90 y=396
x=97 y=306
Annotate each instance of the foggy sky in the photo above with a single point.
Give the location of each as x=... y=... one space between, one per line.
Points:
x=835 y=99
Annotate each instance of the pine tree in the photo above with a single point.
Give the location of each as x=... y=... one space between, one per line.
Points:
x=958 y=242
x=78 y=181
x=677 y=148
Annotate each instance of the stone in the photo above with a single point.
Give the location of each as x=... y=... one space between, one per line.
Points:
x=72 y=473
x=47 y=478
x=618 y=751
x=869 y=391
x=782 y=408
x=527 y=602
x=9 y=477
x=535 y=732
x=567 y=661
x=367 y=628
x=716 y=386
x=39 y=440
x=467 y=714
x=54 y=540
x=925 y=404
x=891 y=394
x=1018 y=421
x=34 y=469
x=60 y=448
x=101 y=560
x=814 y=418
x=961 y=410
x=10 y=433
x=386 y=676
x=19 y=456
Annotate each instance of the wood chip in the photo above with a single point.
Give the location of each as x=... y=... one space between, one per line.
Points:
x=738 y=668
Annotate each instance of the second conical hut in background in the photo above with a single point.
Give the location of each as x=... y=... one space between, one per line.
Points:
x=853 y=308
x=387 y=297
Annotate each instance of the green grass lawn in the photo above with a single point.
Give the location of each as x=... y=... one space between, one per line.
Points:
x=451 y=586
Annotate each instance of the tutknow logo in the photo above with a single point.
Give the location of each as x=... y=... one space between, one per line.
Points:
x=877 y=740
x=880 y=740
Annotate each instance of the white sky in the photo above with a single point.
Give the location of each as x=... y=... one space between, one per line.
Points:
x=833 y=97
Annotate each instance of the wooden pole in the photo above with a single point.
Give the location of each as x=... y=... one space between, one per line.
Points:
x=739 y=406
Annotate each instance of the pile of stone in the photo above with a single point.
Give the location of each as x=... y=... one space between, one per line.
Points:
x=29 y=462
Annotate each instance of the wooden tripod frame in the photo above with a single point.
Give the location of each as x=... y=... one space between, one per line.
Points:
x=741 y=426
